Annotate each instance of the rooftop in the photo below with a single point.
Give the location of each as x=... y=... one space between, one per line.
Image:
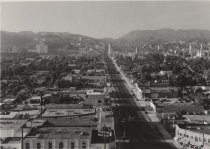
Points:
x=61 y=133
x=93 y=77
x=98 y=137
x=77 y=121
x=67 y=112
x=12 y=140
x=200 y=128
x=201 y=118
x=64 y=106
x=8 y=115
x=178 y=107
x=8 y=124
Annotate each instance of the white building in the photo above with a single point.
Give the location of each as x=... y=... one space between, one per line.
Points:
x=58 y=138
x=41 y=48
x=192 y=135
x=12 y=128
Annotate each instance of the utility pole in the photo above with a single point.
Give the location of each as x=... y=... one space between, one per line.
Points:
x=22 y=138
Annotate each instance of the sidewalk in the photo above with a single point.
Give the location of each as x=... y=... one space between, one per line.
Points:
x=158 y=127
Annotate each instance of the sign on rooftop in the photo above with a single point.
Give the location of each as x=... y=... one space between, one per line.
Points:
x=103 y=133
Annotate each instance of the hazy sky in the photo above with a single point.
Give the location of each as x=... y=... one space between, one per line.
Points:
x=103 y=19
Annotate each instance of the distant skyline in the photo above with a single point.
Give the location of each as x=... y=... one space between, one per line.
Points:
x=104 y=19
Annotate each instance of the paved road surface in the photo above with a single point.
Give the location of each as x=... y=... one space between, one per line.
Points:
x=130 y=124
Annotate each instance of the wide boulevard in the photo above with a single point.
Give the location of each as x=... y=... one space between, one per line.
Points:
x=131 y=128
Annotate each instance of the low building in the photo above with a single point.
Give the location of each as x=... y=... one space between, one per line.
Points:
x=9 y=101
x=96 y=100
x=171 y=108
x=11 y=143
x=62 y=113
x=12 y=128
x=102 y=139
x=58 y=138
x=199 y=119
x=193 y=135
x=107 y=121
x=84 y=121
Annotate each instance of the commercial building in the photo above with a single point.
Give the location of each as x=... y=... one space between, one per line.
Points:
x=56 y=113
x=11 y=143
x=12 y=128
x=96 y=98
x=58 y=138
x=193 y=135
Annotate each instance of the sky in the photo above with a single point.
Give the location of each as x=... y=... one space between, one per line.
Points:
x=106 y=19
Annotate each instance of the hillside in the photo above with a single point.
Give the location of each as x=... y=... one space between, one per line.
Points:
x=139 y=37
x=55 y=40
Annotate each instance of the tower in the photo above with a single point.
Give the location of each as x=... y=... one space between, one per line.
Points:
x=201 y=50
x=190 y=50
x=136 y=50
x=109 y=49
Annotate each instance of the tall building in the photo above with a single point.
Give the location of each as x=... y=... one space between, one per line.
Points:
x=109 y=50
x=41 y=48
x=136 y=50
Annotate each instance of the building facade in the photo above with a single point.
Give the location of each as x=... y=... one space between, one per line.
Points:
x=41 y=48
x=193 y=135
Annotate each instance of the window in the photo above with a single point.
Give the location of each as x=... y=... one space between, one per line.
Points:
x=49 y=145
x=83 y=145
x=196 y=138
x=204 y=140
x=38 y=145
x=72 y=145
x=209 y=140
x=27 y=145
x=99 y=101
x=186 y=136
x=61 y=145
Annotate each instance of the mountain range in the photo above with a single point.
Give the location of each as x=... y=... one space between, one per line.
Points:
x=28 y=39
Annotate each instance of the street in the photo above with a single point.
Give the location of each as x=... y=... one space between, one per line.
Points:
x=131 y=128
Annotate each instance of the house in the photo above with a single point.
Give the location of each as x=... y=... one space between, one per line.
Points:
x=8 y=101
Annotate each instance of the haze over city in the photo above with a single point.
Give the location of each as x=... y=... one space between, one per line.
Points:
x=105 y=75
x=103 y=19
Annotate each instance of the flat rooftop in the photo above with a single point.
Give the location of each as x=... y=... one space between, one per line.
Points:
x=8 y=116
x=61 y=133
x=8 y=124
x=12 y=140
x=64 y=106
x=67 y=112
x=205 y=118
x=93 y=77
x=200 y=128
x=77 y=121
x=177 y=107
